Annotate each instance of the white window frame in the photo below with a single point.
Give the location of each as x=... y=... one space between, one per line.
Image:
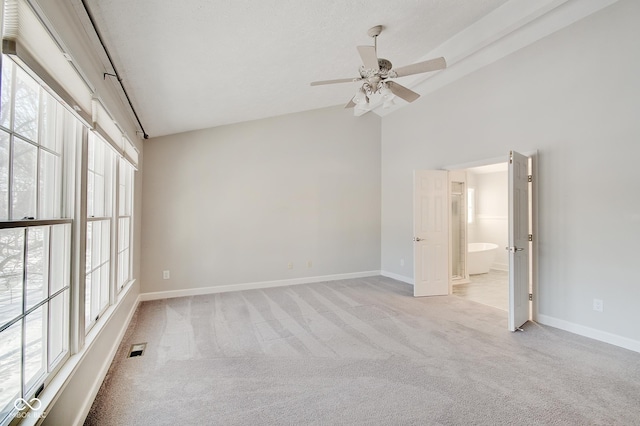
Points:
x=106 y=217
x=36 y=49
x=52 y=362
x=123 y=212
x=71 y=192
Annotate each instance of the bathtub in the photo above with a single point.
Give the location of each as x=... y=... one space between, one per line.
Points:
x=480 y=257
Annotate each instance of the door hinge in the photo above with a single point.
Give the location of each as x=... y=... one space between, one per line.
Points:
x=530 y=296
x=530 y=237
x=530 y=178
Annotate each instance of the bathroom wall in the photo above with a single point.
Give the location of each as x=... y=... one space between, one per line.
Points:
x=491 y=224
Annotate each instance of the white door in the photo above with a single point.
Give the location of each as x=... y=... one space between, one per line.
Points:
x=518 y=240
x=431 y=232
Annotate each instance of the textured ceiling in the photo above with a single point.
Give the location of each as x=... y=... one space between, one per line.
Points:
x=203 y=63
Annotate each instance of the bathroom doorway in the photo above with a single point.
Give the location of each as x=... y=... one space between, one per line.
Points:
x=479 y=234
x=433 y=245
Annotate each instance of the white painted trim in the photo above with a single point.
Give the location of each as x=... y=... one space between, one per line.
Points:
x=54 y=389
x=592 y=333
x=252 y=286
x=398 y=277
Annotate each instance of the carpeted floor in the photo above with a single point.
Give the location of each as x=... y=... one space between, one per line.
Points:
x=360 y=351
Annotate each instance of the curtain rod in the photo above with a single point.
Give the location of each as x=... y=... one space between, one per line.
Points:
x=115 y=71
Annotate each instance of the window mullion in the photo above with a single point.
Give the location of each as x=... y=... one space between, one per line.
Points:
x=38 y=152
x=25 y=246
x=14 y=79
x=49 y=298
x=115 y=231
x=10 y=180
x=11 y=138
x=37 y=183
x=65 y=169
x=79 y=243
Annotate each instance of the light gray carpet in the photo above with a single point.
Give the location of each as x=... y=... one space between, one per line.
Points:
x=360 y=351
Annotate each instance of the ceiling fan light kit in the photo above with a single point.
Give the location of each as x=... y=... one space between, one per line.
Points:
x=376 y=74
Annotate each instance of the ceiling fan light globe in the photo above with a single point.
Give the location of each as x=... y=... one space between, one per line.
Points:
x=362 y=107
x=361 y=97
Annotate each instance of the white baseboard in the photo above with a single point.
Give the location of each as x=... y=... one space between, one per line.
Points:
x=398 y=277
x=252 y=286
x=592 y=333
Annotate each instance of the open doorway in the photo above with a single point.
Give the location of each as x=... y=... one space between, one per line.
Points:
x=480 y=233
x=432 y=235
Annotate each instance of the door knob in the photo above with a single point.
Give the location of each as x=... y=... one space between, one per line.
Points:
x=418 y=239
x=513 y=249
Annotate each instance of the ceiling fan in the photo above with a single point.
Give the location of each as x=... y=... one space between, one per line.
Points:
x=376 y=74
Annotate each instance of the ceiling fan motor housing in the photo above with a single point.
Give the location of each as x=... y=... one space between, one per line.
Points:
x=384 y=64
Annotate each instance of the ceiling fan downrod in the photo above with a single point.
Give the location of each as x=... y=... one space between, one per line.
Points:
x=375 y=32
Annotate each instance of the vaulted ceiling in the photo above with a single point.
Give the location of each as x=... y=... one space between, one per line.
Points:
x=202 y=63
x=196 y=64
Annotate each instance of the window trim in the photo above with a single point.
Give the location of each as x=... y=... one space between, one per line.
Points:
x=42 y=65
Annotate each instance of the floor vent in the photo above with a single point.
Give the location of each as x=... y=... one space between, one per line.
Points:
x=137 y=349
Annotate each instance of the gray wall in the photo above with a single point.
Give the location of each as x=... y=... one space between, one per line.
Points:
x=575 y=97
x=236 y=204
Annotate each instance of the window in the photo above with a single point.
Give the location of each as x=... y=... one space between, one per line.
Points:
x=99 y=215
x=35 y=235
x=48 y=303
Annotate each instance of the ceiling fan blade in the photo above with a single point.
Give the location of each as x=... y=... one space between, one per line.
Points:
x=420 y=67
x=369 y=57
x=339 y=80
x=351 y=104
x=402 y=92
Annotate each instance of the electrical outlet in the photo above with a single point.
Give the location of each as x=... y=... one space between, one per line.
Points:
x=309 y=264
x=166 y=275
x=290 y=265
x=401 y=262
x=598 y=305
